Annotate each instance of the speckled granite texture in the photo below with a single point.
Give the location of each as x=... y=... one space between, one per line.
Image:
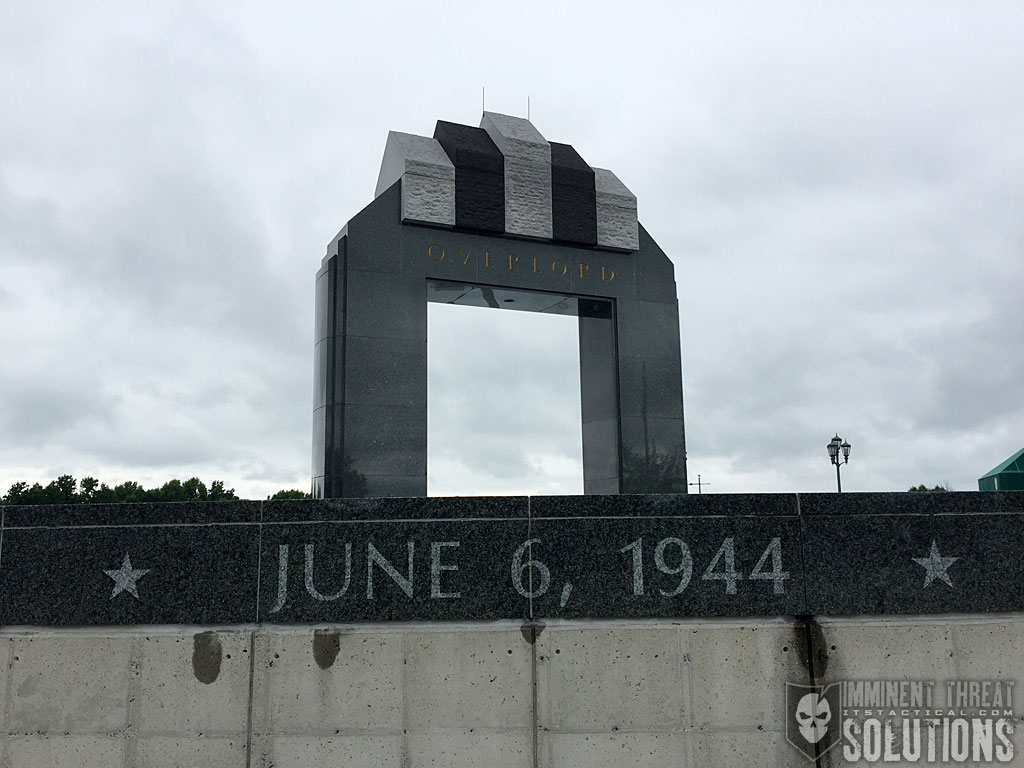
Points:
x=480 y=558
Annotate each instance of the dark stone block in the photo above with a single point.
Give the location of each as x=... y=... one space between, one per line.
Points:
x=164 y=513
x=469 y=147
x=951 y=502
x=376 y=509
x=653 y=455
x=355 y=571
x=666 y=505
x=634 y=567
x=655 y=274
x=573 y=197
x=885 y=563
x=651 y=388
x=193 y=574
x=569 y=168
x=386 y=372
x=385 y=440
x=384 y=306
x=479 y=200
x=479 y=176
x=374 y=241
x=599 y=396
x=600 y=451
x=574 y=214
x=636 y=319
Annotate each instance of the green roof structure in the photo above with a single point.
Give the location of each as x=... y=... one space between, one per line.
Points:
x=1008 y=476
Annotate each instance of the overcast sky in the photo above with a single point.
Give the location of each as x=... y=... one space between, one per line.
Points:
x=840 y=187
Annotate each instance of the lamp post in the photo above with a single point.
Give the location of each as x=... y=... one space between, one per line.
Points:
x=836 y=446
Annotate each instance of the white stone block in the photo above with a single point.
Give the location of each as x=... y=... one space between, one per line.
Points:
x=616 y=213
x=428 y=200
x=64 y=683
x=468 y=679
x=360 y=690
x=528 y=198
x=527 y=174
x=739 y=673
x=428 y=178
x=614 y=750
x=464 y=749
x=605 y=678
x=516 y=137
x=173 y=701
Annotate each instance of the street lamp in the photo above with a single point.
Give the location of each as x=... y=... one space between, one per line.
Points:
x=836 y=446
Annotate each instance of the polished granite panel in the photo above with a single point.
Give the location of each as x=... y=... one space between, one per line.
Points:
x=573 y=197
x=432 y=508
x=653 y=455
x=600 y=452
x=899 y=503
x=667 y=567
x=599 y=395
x=385 y=439
x=913 y=563
x=655 y=274
x=616 y=556
x=386 y=306
x=386 y=372
x=164 y=513
x=651 y=388
x=374 y=242
x=166 y=574
x=667 y=505
x=636 y=319
x=501 y=261
x=361 y=571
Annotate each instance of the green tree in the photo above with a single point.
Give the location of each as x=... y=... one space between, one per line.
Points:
x=290 y=494
x=925 y=489
x=15 y=493
x=88 y=489
x=219 y=493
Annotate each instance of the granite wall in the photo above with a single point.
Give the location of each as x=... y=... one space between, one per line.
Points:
x=557 y=631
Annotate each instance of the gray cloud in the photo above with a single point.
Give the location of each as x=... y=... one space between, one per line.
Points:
x=839 y=188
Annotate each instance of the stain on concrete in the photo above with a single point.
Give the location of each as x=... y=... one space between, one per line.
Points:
x=206 y=656
x=810 y=647
x=326 y=645
x=531 y=631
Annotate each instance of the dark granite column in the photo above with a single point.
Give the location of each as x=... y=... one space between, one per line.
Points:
x=650 y=378
x=599 y=397
x=372 y=363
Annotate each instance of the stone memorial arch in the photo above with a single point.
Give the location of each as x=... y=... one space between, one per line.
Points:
x=495 y=216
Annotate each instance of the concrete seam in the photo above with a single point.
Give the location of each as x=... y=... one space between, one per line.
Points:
x=252 y=693
x=133 y=704
x=809 y=641
x=404 y=757
x=534 y=696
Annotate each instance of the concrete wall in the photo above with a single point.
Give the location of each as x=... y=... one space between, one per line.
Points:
x=687 y=693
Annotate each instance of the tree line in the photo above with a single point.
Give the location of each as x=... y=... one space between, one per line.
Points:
x=67 y=490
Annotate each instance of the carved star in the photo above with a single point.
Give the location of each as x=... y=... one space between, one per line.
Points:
x=935 y=565
x=125 y=578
